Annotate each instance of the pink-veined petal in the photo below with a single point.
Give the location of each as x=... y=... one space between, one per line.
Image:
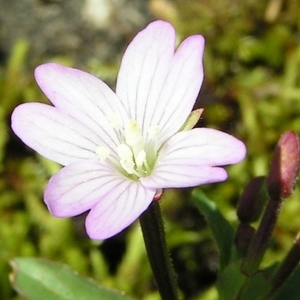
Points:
x=53 y=134
x=190 y=158
x=181 y=88
x=144 y=68
x=183 y=175
x=203 y=146
x=158 y=86
x=121 y=206
x=80 y=186
x=82 y=96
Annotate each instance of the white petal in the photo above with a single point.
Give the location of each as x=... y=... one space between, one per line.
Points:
x=190 y=158
x=121 y=206
x=183 y=175
x=53 y=134
x=144 y=68
x=80 y=186
x=158 y=86
x=82 y=96
x=181 y=87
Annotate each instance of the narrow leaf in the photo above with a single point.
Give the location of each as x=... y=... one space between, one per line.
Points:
x=230 y=282
x=222 y=231
x=290 y=289
x=37 y=279
x=233 y=284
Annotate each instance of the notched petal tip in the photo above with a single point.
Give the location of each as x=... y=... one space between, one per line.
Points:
x=156 y=33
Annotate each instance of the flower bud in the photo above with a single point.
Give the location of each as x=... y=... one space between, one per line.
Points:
x=285 y=165
x=252 y=201
x=243 y=238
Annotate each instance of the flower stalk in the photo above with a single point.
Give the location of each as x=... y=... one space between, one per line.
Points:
x=158 y=255
x=286 y=268
x=261 y=238
x=280 y=183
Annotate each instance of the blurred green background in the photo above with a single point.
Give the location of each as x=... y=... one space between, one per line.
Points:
x=251 y=90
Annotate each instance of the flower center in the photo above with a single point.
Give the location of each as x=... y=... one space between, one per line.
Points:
x=133 y=152
x=136 y=156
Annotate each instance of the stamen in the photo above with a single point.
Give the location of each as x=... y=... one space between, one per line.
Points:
x=133 y=133
x=153 y=131
x=146 y=166
x=128 y=165
x=103 y=152
x=124 y=151
x=132 y=149
x=126 y=158
x=140 y=158
x=114 y=119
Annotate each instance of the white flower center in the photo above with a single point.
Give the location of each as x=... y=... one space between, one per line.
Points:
x=132 y=153
x=136 y=156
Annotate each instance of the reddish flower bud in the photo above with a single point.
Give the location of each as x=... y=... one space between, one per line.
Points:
x=252 y=201
x=243 y=238
x=284 y=168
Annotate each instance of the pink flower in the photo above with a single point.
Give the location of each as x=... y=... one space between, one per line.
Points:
x=119 y=149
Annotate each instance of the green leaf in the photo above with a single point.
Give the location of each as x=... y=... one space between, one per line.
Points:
x=37 y=279
x=257 y=285
x=290 y=289
x=230 y=282
x=234 y=284
x=221 y=229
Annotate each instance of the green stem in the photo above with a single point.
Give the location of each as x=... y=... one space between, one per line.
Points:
x=286 y=268
x=261 y=238
x=159 y=258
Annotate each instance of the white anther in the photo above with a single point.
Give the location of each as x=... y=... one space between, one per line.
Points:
x=124 y=151
x=140 y=158
x=153 y=131
x=126 y=158
x=133 y=134
x=114 y=119
x=128 y=165
x=103 y=152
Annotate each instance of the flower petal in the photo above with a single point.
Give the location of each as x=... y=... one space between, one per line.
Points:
x=158 y=86
x=82 y=96
x=79 y=186
x=181 y=88
x=183 y=175
x=53 y=134
x=114 y=200
x=122 y=205
x=144 y=69
x=189 y=158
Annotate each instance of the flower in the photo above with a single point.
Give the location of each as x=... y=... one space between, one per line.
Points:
x=119 y=149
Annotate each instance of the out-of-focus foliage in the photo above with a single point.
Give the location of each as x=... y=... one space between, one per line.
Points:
x=252 y=90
